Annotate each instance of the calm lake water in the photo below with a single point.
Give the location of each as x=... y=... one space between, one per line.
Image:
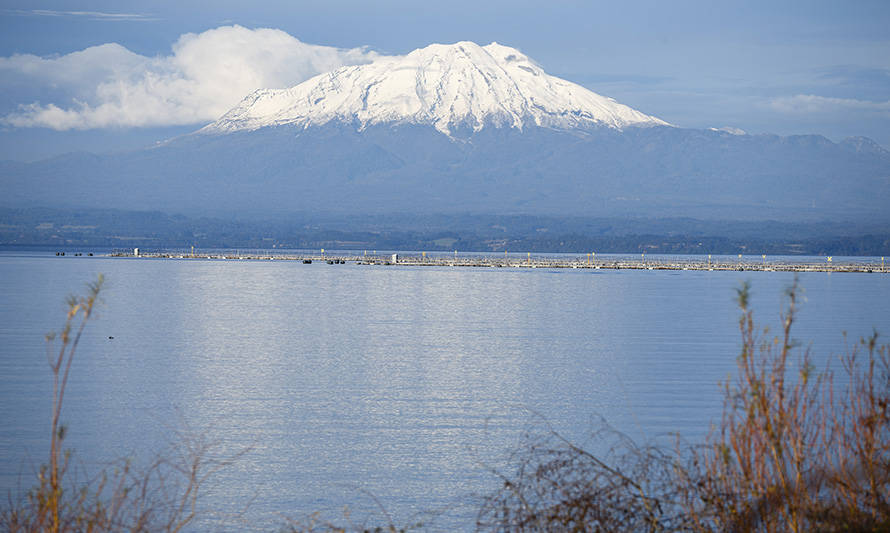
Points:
x=351 y=384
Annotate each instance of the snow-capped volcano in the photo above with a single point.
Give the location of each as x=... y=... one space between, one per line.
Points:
x=390 y=140
x=445 y=86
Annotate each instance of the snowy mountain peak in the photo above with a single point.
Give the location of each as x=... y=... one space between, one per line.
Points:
x=446 y=86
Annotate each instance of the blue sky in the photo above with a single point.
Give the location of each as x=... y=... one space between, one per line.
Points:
x=103 y=76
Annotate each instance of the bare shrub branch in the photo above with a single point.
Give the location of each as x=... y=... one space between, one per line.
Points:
x=162 y=496
x=793 y=452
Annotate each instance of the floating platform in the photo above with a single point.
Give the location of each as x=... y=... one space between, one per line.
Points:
x=693 y=263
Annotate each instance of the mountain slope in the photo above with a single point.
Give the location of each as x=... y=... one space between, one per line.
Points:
x=450 y=87
x=464 y=129
x=659 y=171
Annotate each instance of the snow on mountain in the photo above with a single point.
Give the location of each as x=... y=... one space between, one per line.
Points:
x=446 y=86
x=730 y=130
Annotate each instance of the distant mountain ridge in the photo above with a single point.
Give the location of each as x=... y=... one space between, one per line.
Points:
x=464 y=129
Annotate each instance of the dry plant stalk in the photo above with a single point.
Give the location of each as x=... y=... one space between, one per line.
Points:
x=162 y=496
x=561 y=487
x=793 y=452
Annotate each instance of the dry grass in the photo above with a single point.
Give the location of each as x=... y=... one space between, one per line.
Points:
x=795 y=451
x=161 y=496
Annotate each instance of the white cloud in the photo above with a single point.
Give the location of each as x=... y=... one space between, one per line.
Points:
x=810 y=103
x=206 y=74
x=730 y=130
x=92 y=15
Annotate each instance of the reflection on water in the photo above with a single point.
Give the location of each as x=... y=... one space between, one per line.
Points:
x=402 y=383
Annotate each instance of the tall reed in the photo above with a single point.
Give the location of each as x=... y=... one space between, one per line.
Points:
x=160 y=496
x=796 y=450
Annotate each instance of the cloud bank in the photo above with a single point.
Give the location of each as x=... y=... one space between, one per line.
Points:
x=206 y=74
x=810 y=103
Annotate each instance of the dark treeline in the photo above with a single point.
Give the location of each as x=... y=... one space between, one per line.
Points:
x=55 y=228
